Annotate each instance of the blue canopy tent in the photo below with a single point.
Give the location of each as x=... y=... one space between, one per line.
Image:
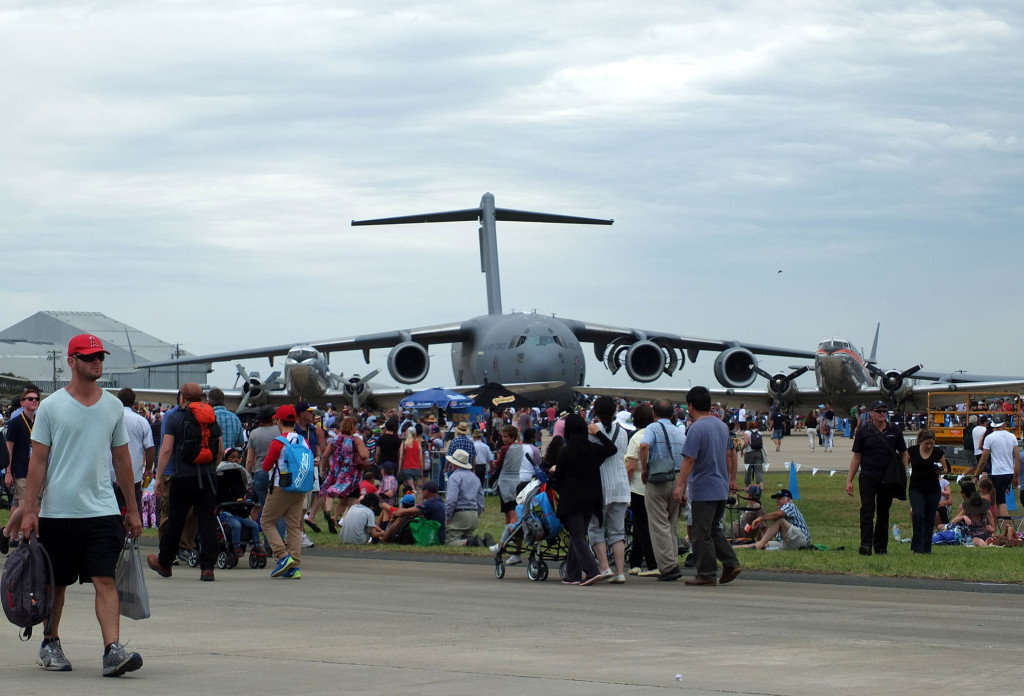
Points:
x=435 y=398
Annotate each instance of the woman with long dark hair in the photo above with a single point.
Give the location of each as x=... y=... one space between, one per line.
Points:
x=578 y=481
x=611 y=532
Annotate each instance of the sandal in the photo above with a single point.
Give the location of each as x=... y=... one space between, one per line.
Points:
x=312 y=525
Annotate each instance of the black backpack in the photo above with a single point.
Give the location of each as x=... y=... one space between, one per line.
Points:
x=27 y=587
x=756 y=443
x=198 y=433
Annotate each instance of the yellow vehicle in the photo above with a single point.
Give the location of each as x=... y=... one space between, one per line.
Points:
x=949 y=414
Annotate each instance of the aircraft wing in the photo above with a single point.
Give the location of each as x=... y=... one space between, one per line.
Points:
x=964 y=377
x=601 y=336
x=426 y=335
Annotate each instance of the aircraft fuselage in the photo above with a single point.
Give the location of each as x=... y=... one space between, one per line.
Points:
x=841 y=373
x=305 y=373
x=511 y=348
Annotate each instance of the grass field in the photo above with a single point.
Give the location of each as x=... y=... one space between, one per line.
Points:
x=833 y=520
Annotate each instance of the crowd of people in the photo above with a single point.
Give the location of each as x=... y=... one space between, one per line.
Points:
x=403 y=477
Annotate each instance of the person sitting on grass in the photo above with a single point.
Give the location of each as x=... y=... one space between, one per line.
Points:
x=359 y=525
x=753 y=512
x=787 y=523
x=977 y=518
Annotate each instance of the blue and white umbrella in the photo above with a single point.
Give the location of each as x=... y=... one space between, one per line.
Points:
x=441 y=398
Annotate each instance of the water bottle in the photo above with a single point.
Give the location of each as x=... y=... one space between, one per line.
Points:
x=896 y=531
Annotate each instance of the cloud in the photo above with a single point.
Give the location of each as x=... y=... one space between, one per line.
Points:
x=190 y=146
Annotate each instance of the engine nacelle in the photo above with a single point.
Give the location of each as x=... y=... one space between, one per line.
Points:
x=734 y=368
x=408 y=362
x=645 y=361
x=894 y=384
x=783 y=388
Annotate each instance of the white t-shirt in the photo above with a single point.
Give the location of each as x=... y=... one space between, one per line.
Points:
x=140 y=438
x=1000 y=446
x=636 y=482
x=978 y=433
x=80 y=439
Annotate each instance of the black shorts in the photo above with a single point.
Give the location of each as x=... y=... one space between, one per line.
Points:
x=82 y=548
x=509 y=506
x=1002 y=484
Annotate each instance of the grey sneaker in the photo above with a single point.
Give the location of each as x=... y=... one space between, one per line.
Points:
x=117 y=661
x=51 y=658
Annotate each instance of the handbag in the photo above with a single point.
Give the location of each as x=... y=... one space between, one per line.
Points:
x=130 y=581
x=662 y=470
x=895 y=477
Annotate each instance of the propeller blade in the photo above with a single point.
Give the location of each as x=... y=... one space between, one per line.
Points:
x=797 y=372
x=909 y=371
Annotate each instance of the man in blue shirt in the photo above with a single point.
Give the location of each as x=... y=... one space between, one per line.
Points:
x=464 y=502
x=430 y=507
x=230 y=424
x=707 y=476
x=787 y=522
x=462 y=441
x=663 y=440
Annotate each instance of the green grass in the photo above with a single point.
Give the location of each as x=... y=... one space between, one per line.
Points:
x=833 y=520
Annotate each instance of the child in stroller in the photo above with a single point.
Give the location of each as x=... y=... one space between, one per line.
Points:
x=233 y=524
x=538 y=529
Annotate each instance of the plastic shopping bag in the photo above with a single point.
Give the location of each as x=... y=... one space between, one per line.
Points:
x=130 y=582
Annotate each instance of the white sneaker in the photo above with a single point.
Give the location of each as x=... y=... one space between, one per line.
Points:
x=495 y=548
x=607 y=572
x=634 y=571
x=514 y=560
x=619 y=579
x=307 y=542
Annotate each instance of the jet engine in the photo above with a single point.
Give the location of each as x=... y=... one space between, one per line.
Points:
x=645 y=361
x=408 y=362
x=736 y=368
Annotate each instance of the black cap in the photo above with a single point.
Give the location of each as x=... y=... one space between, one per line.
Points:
x=783 y=493
x=878 y=404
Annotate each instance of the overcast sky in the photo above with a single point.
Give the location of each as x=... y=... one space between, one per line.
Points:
x=777 y=171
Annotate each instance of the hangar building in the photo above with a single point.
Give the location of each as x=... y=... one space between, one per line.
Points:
x=34 y=350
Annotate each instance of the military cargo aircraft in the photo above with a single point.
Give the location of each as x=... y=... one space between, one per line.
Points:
x=524 y=351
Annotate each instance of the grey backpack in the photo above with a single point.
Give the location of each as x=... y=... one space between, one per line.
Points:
x=27 y=586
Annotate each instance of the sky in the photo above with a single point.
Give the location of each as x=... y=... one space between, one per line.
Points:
x=778 y=171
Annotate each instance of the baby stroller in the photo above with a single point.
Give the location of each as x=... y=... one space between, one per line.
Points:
x=539 y=531
x=231 y=496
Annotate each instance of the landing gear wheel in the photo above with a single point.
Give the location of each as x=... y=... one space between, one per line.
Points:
x=533 y=570
x=542 y=571
x=499 y=569
x=561 y=570
x=223 y=561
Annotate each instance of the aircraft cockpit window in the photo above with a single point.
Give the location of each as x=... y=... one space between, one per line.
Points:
x=516 y=342
x=558 y=341
x=302 y=355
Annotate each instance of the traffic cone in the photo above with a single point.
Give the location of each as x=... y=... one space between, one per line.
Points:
x=793 y=487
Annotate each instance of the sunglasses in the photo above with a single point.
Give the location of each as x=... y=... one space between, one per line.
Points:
x=89 y=358
x=880 y=410
x=31 y=398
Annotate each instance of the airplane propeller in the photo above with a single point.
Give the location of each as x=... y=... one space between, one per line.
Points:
x=356 y=386
x=779 y=383
x=892 y=382
x=252 y=387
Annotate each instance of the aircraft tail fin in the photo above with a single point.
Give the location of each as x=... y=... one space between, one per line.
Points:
x=874 y=346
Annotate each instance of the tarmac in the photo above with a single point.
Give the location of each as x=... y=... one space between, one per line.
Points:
x=432 y=625
x=377 y=623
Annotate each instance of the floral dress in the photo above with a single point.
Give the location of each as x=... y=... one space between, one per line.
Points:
x=343 y=478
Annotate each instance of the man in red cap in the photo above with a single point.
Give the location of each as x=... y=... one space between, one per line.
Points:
x=78 y=430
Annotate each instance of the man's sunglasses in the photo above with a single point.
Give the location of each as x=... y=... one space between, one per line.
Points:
x=89 y=358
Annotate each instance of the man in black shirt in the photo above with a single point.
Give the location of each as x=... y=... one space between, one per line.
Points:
x=873 y=448
x=388 y=443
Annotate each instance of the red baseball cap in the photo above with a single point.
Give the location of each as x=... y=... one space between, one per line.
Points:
x=285 y=413
x=86 y=344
